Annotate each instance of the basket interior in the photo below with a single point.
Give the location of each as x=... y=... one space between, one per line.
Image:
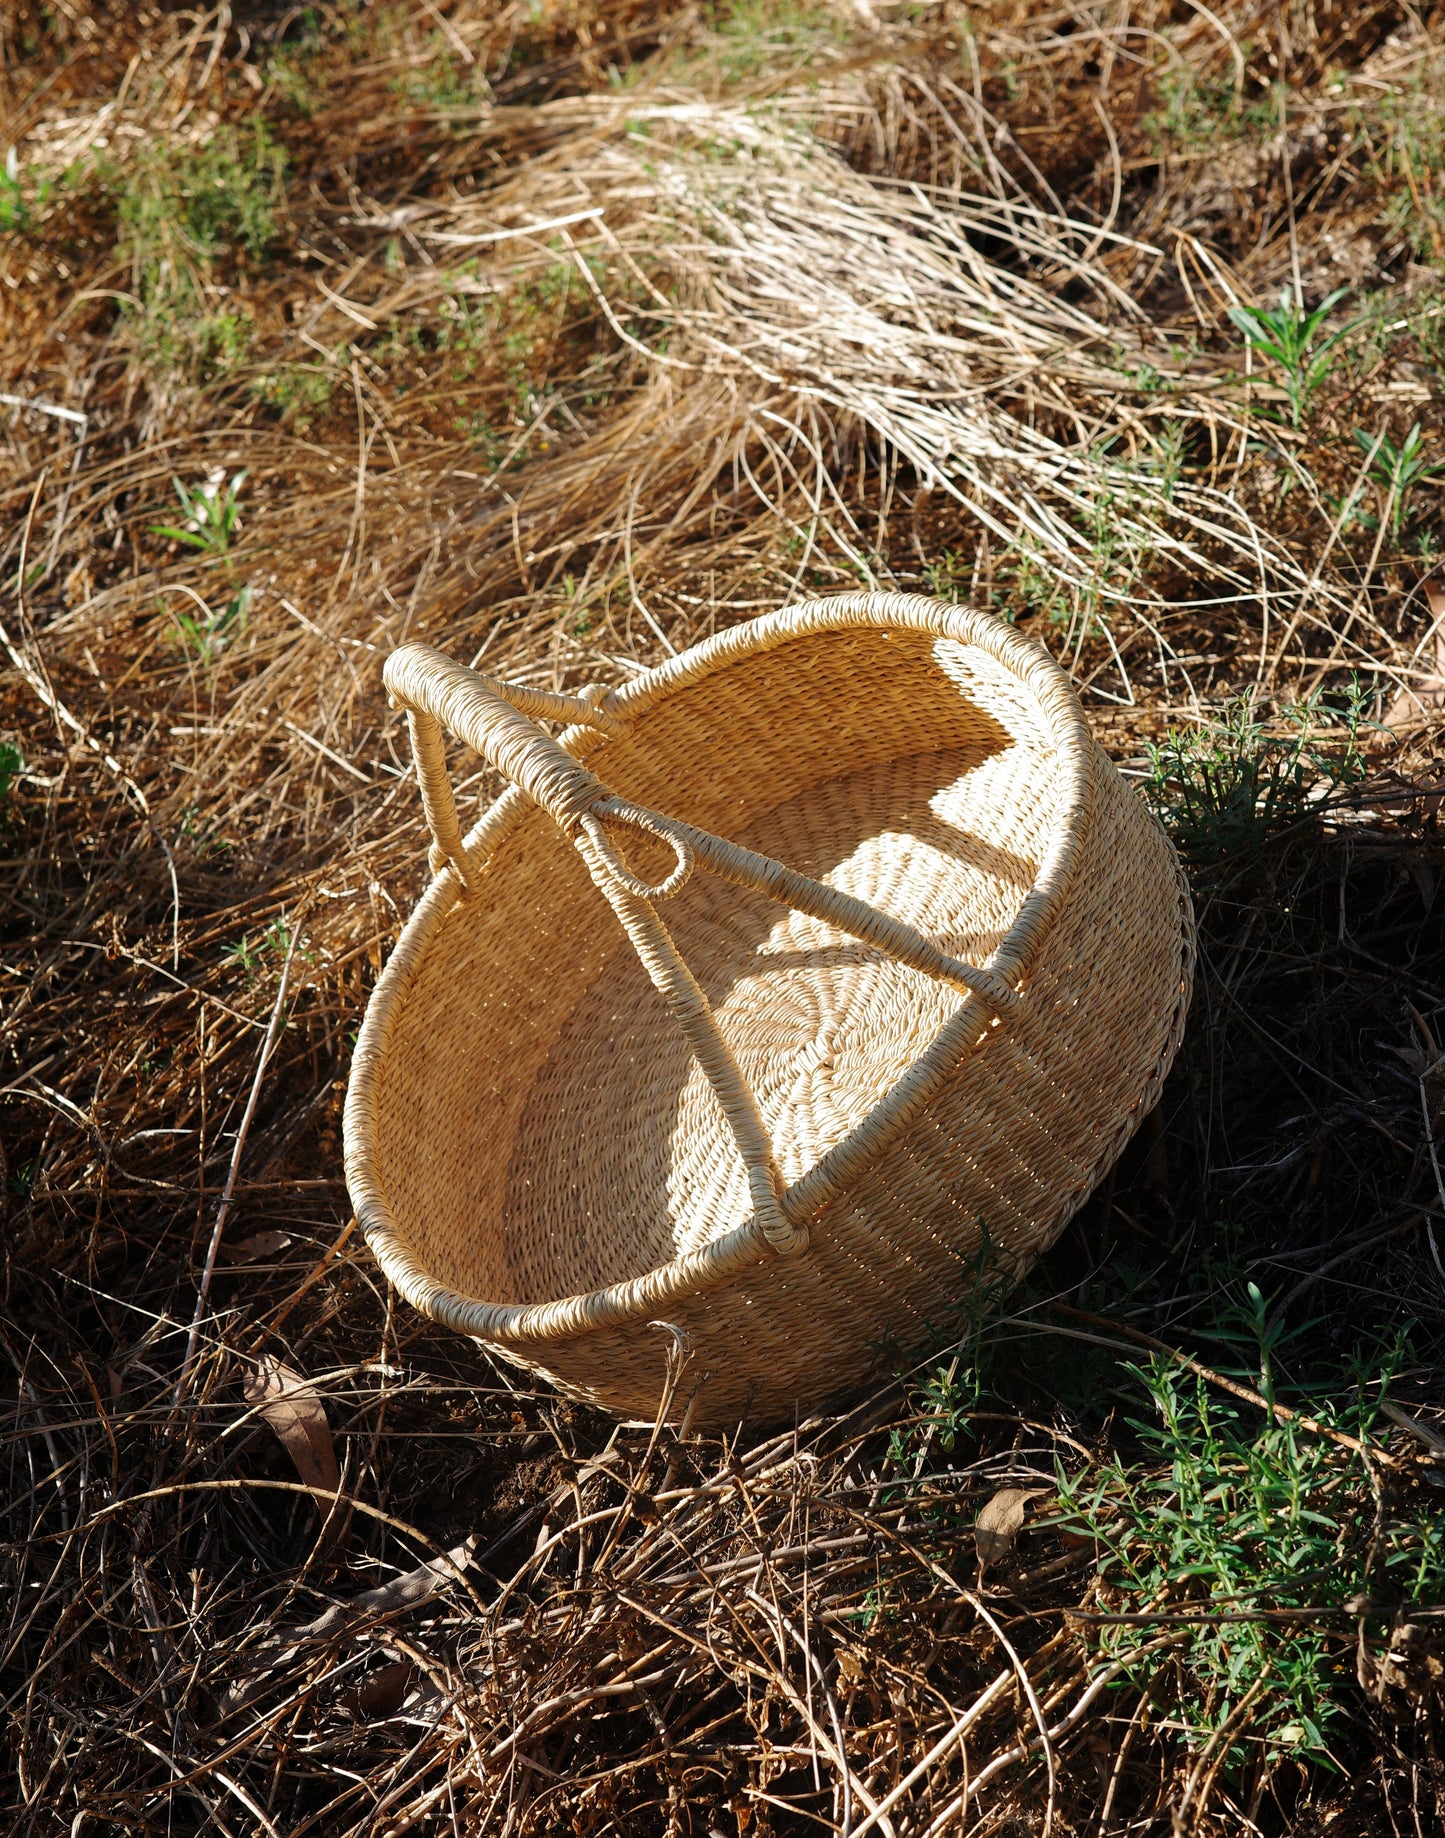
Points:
x=543 y=1130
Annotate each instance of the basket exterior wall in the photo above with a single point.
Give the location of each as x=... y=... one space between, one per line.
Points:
x=1017 y=1141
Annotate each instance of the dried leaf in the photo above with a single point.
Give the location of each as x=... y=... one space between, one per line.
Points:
x=383 y=1693
x=1427 y=696
x=257 y=1248
x=1000 y=1522
x=293 y=1408
x=412 y=1590
x=1412 y=1663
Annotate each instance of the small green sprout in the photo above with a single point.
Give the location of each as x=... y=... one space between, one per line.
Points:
x=11 y=766
x=1398 y=469
x=252 y=955
x=946 y=577
x=1291 y=338
x=206 y=632
x=212 y=513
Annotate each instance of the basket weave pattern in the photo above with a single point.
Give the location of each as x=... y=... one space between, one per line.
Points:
x=535 y=1150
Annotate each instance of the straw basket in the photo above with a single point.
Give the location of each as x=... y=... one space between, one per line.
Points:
x=898 y=1023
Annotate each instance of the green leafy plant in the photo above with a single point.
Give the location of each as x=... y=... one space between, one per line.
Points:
x=1034 y=585
x=252 y=956
x=941 y=1406
x=946 y=576
x=1398 y=469
x=1166 y=461
x=206 y=634
x=11 y=766
x=295 y=71
x=179 y=211
x=14 y=211
x=299 y=392
x=212 y=518
x=212 y=513
x=444 y=85
x=1191 y=109
x=17 y=209
x=1296 y=341
x=942 y=1395
x=1223 y=788
x=1232 y=1533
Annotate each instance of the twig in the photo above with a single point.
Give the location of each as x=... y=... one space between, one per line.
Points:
x=223 y=1212
x=955 y=1734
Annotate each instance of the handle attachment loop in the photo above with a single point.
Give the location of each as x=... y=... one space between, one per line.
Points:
x=593 y=842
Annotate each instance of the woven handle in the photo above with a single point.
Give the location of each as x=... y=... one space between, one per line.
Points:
x=496 y=719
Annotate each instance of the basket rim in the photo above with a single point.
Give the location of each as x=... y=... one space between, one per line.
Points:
x=530 y=1326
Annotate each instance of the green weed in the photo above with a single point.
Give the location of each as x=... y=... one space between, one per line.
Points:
x=1398 y=470
x=1169 y=442
x=179 y=211
x=11 y=766
x=758 y=35
x=941 y=1408
x=253 y=957
x=940 y=1404
x=946 y=577
x=444 y=85
x=1408 y=160
x=220 y=342
x=1296 y=341
x=212 y=513
x=1195 y=109
x=293 y=70
x=299 y=392
x=577 y=619
x=1192 y=108
x=202 y=839
x=205 y=634
x=1224 y=788
x=876 y=1606
x=1074 y=595
x=1032 y=581
x=1244 y=1517
x=212 y=517
x=14 y=211
x=19 y=208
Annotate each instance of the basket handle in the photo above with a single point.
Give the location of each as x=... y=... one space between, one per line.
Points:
x=497 y=720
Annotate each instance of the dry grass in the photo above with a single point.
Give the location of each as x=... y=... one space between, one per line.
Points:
x=561 y=335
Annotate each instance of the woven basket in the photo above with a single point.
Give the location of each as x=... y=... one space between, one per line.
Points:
x=782 y=1111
